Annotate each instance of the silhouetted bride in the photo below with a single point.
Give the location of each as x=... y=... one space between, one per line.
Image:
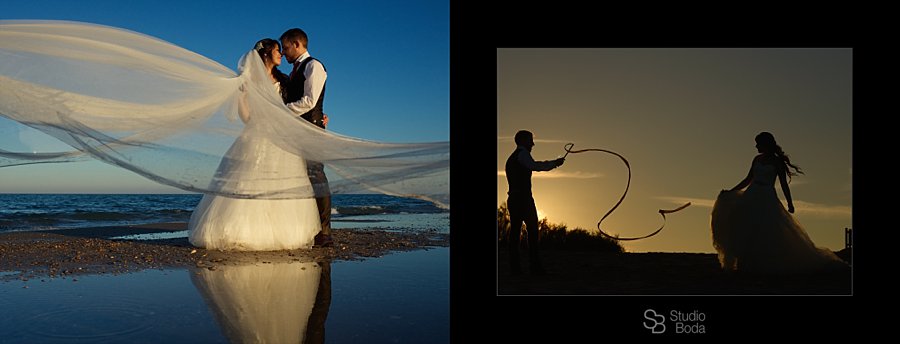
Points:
x=751 y=229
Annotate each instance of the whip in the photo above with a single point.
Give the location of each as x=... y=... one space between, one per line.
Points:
x=662 y=212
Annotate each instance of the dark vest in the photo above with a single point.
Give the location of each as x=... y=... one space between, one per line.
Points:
x=295 y=90
x=518 y=177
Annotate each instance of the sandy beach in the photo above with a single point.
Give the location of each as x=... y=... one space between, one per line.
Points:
x=34 y=254
x=658 y=273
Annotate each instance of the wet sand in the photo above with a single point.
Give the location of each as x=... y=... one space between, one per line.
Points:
x=659 y=273
x=25 y=255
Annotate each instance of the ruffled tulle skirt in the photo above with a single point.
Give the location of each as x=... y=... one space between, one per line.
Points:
x=752 y=231
x=260 y=224
x=224 y=223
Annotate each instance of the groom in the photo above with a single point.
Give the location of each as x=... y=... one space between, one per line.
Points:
x=520 y=203
x=305 y=94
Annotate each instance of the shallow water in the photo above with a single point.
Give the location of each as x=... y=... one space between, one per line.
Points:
x=434 y=223
x=401 y=297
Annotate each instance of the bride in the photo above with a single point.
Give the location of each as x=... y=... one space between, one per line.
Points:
x=751 y=229
x=282 y=302
x=183 y=120
x=253 y=161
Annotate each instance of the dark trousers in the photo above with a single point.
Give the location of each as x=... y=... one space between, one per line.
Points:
x=319 y=181
x=522 y=209
x=315 y=328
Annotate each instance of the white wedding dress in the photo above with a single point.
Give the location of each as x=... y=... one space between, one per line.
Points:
x=256 y=224
x=752 y=231
x=261 y=303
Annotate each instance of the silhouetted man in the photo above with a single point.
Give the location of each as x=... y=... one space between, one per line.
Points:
x=521 y=207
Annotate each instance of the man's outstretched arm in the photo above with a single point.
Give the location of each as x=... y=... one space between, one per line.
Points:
x=526 y=160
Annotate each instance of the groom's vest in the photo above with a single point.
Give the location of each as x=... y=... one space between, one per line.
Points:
x=518 y=177
x=295 y=92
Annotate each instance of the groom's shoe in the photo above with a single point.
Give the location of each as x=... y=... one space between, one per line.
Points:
x=323 y=240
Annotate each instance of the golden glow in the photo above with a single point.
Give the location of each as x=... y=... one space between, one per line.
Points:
x=685 y=119
x=541 y=214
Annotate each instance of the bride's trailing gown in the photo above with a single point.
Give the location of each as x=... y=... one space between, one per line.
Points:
x=752 y=231
x=254 y=162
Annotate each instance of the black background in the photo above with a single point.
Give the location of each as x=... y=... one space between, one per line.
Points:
x=478 y=29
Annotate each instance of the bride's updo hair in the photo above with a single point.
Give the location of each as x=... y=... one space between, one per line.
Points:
x=264 y=47
x=766 y=143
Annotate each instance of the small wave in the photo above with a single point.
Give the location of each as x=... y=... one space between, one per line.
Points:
x=35 y=221
x=28 y=220
x=363 y=210
x=174 y=211
x=389 y=209
x=8 y=224
x=100 y=215
x=360 y=220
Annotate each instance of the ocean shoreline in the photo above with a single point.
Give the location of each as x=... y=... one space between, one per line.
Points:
x=93 y=250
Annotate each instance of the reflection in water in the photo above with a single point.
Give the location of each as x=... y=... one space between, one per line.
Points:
x=399 y=298
x=268 y=303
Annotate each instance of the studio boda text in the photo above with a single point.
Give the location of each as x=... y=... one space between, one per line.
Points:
x=688 y=323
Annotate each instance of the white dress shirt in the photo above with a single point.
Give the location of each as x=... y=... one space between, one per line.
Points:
x=312 y=88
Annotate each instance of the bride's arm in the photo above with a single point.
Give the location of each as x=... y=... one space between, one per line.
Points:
x=243 y=108
x=786 y=189
x=744 y=183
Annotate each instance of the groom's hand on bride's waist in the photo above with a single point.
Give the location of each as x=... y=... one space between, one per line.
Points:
x=325 y=120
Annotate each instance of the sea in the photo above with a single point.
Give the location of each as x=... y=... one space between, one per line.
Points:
x=402 y=297
x=28 y=212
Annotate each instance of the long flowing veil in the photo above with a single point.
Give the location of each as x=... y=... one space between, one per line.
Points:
x=170 y=115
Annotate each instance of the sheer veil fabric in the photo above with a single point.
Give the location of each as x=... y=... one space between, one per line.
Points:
x=170 y=115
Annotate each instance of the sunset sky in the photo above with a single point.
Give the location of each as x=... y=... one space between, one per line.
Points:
x=685 y=119
x=388 y=70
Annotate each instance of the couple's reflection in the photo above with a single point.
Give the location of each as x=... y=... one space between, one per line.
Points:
x=268 y=303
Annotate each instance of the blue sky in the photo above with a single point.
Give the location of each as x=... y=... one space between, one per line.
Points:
x=388 y=66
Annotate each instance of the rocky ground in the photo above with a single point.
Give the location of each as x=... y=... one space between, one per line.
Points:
x=25 y=255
